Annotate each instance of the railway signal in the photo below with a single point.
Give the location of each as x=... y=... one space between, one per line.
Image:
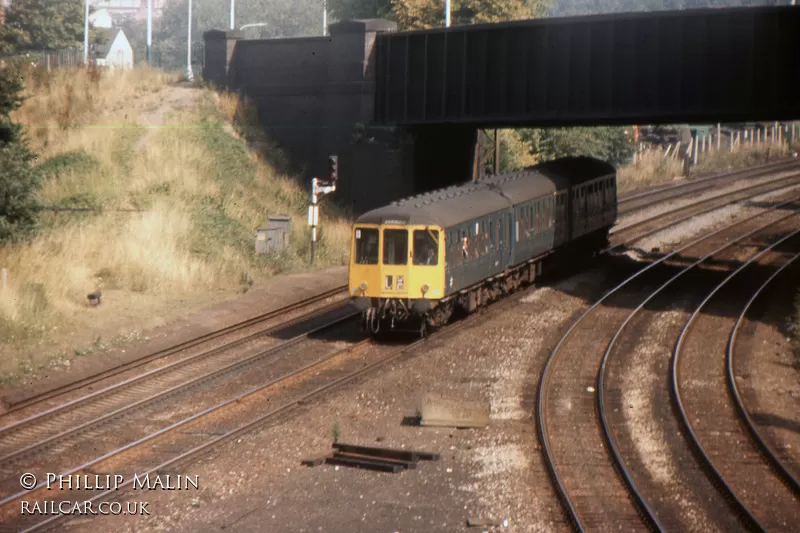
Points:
x=333 y=168
x=318 y=188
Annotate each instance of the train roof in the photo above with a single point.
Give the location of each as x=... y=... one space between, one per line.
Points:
x=457 y=204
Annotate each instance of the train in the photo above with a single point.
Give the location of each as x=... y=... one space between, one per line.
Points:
x=416 y=262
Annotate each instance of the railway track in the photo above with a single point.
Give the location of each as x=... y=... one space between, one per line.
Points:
x=629 y=202
x=192 y=350
x=215 y=368
x=597 y=487
x=237 y=414
x=263 y=324
x=638 y=230
x=785 y=467
x=765 y=499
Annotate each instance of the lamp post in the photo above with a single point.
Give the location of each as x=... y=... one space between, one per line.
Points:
x=446 y=13
x=86 y=34
x=149 y=32
x=233 y=10
x=324 y=17
x=189 y=74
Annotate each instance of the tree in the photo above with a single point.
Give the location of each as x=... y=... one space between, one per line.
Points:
x=283 y=18
x=426 y=14
x=18 y=178
x=44 y=24
x=612 y=144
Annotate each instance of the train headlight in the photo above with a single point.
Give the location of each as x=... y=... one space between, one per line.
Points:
x=425 y=289
x=363 y=286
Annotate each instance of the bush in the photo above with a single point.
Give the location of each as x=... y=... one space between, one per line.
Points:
x=18 y=179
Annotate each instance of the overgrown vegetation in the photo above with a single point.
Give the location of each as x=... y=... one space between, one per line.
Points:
x=147 y=214
x=18 y=177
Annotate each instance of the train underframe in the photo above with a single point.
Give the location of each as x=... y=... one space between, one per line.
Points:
x=421 y=316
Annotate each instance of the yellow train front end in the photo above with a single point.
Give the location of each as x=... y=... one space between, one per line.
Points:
x=397 y=274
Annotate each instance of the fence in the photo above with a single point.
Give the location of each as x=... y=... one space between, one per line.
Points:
x=779 y=135
x=63 y=58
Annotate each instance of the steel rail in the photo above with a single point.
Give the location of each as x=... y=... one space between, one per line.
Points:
x=187 y=420
x=683 y=219
x=542 y=400
x=160 y=354
x=261 y=419
x=181 y=387
x=707 y=182
x=157 y=371
x=601 y=376
x=768 y=451
x=745 y=192
x=751 y=520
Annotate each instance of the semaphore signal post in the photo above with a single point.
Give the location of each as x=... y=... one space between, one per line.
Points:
x=318 y=188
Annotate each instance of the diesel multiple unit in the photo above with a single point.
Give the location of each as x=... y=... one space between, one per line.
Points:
x=416 y=261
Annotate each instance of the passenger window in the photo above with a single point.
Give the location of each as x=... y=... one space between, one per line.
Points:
x=395 y=247
x=426 y=247
x=366 y=246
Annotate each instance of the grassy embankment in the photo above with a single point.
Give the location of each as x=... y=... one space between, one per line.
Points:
x=150 y=215
x=654 y=169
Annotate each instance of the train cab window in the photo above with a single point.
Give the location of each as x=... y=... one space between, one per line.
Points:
x=395 y=247
x=426 y=247
x=366 y=246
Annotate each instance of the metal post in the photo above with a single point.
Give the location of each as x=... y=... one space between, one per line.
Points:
x=86 y=34
x=730 y=141
x=496 y=153
x=694 y=150
x=447 y=13
x=189 y=73
x=233 y=10
x=149 y=33
x=324 y=17
x=313 y=220
x=719 y=135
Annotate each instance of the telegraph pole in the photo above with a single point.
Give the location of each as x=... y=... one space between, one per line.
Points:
x=149 y=33
x=189 y=74
x=86 y=35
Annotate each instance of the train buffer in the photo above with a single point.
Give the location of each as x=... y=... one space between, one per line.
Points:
x=381 y=459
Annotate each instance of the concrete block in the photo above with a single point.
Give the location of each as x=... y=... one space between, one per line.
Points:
x=437 y=410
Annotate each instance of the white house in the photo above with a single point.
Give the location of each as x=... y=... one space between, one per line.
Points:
x=117 y=52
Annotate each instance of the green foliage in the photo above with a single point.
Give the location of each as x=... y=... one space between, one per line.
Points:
x=425 y=14
x=18 y=178
x=43 y=24
x=612 y=144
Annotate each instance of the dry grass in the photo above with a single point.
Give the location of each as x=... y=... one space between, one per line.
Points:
x=64 y=99
x=741 y=157
x=650 y=169
x=654 y=169
x=162 y=219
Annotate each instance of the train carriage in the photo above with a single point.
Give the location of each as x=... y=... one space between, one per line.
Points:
x=416 y=261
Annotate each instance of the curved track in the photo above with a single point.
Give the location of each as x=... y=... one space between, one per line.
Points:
x=583 y=472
